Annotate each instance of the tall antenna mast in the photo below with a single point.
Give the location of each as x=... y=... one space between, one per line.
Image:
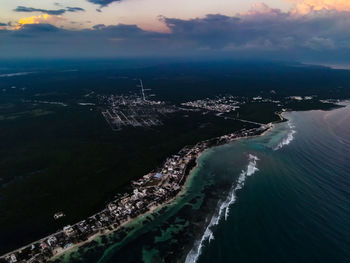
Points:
x=142 y=90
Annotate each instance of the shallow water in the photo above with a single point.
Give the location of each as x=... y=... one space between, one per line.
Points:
x=281 y=197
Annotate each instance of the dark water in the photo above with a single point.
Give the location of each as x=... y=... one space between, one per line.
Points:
x=282 y=197
x=296 y=208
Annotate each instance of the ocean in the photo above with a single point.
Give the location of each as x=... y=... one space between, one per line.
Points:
x=281 y=197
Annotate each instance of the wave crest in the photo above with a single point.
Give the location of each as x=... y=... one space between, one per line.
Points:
x=288 y=139
x=15 y=74
x=224 y=209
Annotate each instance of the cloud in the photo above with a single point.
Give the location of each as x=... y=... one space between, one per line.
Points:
x=307 y=6
x=75 y=9
x=99 y=27
x=35 y=30
x=24 y=9
x=262 y=32
x=40 y=19
x=103 y=2
x=31 y=9
x=3 y=25
x=263 y=28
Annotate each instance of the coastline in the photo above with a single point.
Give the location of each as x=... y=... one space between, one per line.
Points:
x=233 y=231
x=57 y=252
x=107 y=232
x=160 y=206
x=120 y=250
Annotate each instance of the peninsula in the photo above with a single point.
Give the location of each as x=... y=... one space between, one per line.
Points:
x=148 y=193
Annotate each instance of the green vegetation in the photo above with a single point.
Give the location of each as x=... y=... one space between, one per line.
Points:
x=74 y=162
x=259 y=112
x=55 y=158
x=25 y=114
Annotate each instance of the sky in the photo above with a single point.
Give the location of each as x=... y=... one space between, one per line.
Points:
x=303 y=30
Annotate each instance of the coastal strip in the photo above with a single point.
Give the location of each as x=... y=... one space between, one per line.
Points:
x=150 y=192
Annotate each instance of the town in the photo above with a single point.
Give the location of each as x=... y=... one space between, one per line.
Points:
x=148 y=193
x=133 y=110
x=224 y=104
x=138 y=110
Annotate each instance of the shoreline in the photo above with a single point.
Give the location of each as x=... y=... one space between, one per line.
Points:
x=187 y=174
x=107 y=232
x=152 y=209
x=210 y=216
x=160 y=206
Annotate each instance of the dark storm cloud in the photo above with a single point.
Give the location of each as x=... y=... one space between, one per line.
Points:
x=75 y=9
x=268 y=30
x=99 y=26
x=103 y=2
x=35 y=31
x=262 y=32
x=31 y=9
x=25 y=9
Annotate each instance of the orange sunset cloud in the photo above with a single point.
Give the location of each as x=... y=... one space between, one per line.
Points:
x=44 y=18
x=307 y=6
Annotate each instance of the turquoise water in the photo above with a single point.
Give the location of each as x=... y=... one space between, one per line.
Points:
x=281 y=197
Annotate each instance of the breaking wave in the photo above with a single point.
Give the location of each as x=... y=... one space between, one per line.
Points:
x=224 y=210
x=15 y=74
x=288 y=139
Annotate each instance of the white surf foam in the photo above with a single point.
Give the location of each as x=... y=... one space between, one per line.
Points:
x=15 y=74
x=288 y=139
x=224 y=210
